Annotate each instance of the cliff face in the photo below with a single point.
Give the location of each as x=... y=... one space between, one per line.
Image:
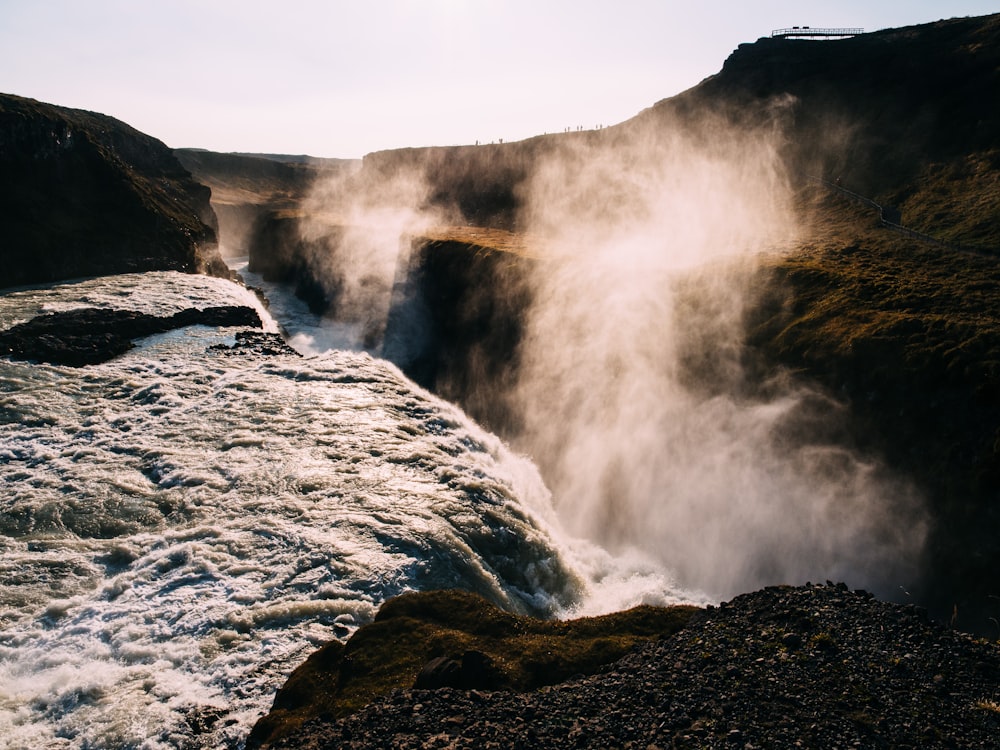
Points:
x=457 y=319
x=278 y=252
x=249 y=189
x=908 y=116
x=84 y=195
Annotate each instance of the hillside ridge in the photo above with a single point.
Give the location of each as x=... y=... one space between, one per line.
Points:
x=85 y=194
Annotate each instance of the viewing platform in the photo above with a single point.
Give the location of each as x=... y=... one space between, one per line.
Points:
x=808 y=32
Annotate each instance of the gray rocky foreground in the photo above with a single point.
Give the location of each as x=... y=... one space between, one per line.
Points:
x=817 y=666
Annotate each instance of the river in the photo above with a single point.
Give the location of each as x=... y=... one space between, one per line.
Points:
x=181 y=526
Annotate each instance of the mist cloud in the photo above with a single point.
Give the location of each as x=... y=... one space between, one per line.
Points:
x=633 y=395
x=633 y=390
x=356 y=227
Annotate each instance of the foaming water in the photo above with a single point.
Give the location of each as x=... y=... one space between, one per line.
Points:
x=306 y=332
x=181 y=526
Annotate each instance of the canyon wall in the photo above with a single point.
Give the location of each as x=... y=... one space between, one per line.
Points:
x=84 y=194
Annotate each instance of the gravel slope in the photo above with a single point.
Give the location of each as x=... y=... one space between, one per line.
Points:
x=816 y=666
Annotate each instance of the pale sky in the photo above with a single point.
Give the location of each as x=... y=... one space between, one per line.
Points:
x=346 y=77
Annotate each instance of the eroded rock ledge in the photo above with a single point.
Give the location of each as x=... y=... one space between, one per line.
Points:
x=811 y=666
x=89 y=336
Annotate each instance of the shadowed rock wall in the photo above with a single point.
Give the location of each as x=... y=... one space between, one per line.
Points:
x=456 y=323
x=84 y=194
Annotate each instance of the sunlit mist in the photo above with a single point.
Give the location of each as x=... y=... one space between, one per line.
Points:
x=633 y=386
x=633 y=392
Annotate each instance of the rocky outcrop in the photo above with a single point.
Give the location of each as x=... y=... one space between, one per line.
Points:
x=457 y=319
x=812 y=666
x=89 y=336
x=84 y=194
x=257 y=344
x=455 y=639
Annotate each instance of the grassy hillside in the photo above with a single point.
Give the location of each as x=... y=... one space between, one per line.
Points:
x=908 y=334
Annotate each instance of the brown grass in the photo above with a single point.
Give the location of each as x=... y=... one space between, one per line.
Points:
x=525 y=653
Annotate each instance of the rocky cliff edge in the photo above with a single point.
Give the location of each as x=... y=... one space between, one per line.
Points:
x=84 y=194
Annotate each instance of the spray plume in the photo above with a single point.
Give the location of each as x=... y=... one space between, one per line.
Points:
x=355 y=228
x=632 y=393
x=633 y=390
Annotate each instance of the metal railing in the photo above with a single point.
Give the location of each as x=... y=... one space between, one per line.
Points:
x=808 y=31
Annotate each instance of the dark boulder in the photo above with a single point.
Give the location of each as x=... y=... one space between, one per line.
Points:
x=474 y=670
x=439 y=672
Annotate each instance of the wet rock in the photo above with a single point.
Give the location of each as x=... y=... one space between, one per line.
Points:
x=258 y=344
x=90 y=336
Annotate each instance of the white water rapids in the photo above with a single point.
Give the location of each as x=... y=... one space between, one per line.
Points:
x=181 y=526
